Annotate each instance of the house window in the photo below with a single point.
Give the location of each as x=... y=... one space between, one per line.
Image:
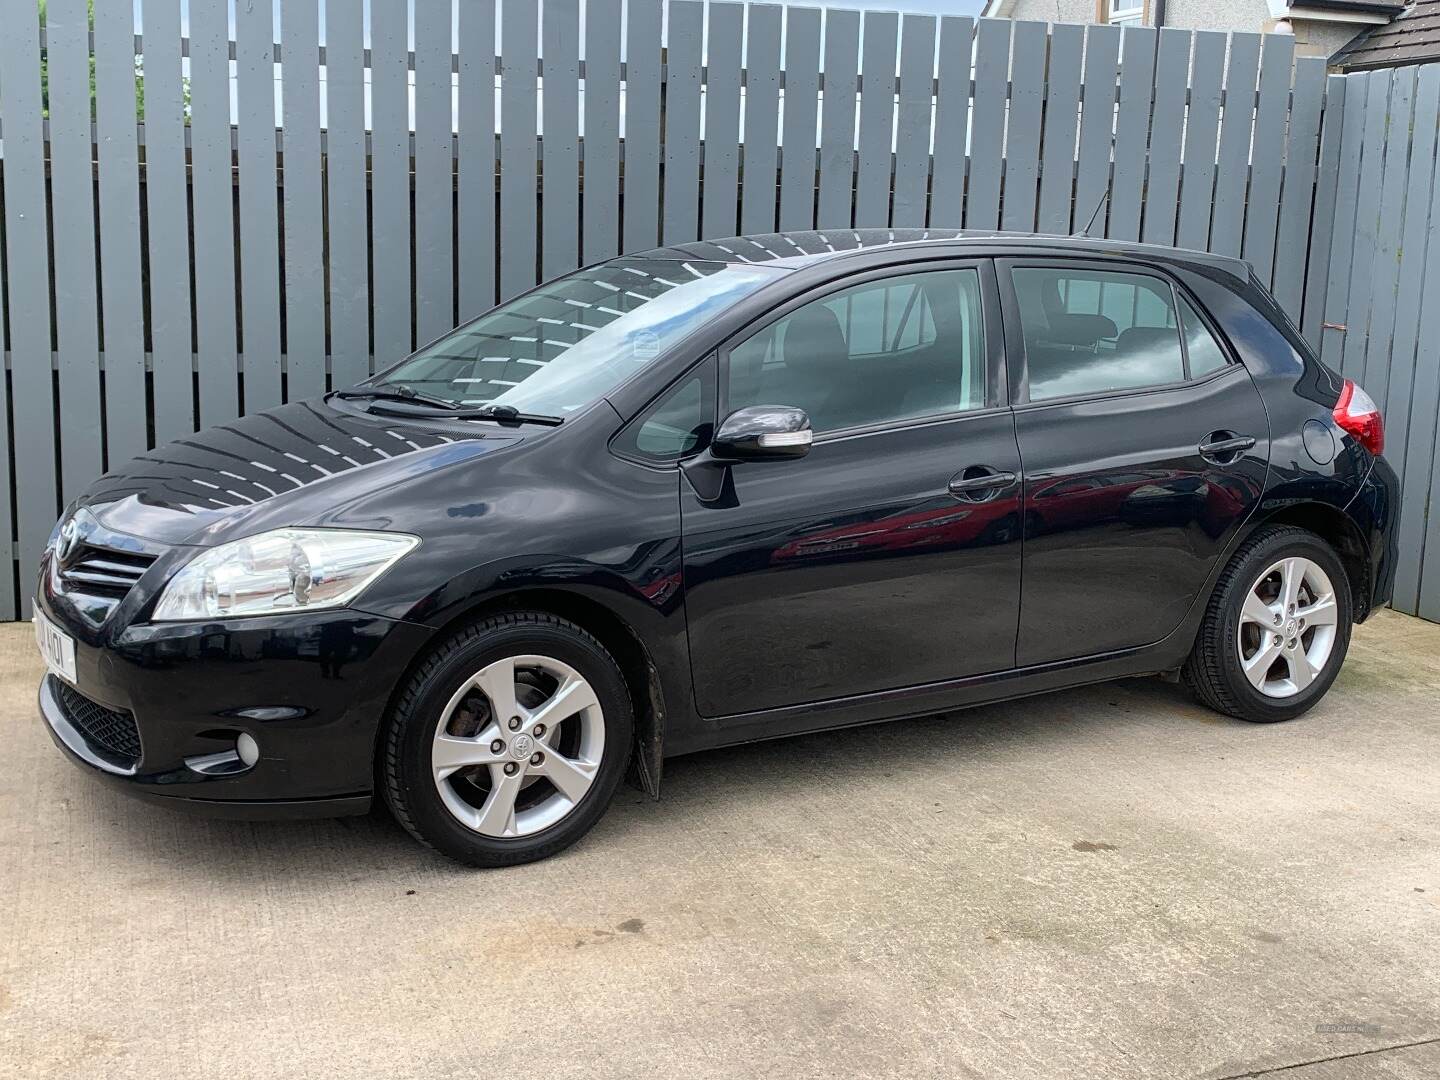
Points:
x=1122 y=12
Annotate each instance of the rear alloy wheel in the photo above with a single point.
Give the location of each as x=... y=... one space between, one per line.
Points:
x=509 y=741
x=1287 y=627
x=1276 y=630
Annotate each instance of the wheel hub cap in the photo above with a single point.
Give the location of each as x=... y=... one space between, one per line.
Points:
x=1288 y=625
x=518 y=746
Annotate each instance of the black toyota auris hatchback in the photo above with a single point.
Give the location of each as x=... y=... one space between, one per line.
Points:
x=714 y=493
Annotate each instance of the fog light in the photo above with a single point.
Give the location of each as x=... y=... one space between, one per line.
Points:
x=248 y=749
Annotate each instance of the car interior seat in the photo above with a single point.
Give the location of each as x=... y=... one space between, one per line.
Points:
x=812 y=346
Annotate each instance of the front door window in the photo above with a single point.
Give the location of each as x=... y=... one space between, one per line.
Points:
x=887 y=350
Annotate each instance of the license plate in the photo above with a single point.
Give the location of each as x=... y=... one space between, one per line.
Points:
x=57 y=648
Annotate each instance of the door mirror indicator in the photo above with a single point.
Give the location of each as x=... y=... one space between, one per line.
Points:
x=763 y=432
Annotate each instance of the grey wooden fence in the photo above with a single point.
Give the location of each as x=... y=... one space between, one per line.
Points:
x=241 y=261
x=1383 y=289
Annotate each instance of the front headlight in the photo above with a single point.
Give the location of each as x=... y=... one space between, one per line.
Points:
x=281 y=571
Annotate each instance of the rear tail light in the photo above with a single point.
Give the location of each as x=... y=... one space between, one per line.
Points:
x=1358 y=414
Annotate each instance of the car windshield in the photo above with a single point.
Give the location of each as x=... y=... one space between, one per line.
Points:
x=566 y=344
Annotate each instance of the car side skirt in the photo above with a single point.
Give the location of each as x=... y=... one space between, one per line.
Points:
x=932 y=698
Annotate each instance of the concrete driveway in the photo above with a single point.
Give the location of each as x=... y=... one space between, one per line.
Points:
x=1106 y=883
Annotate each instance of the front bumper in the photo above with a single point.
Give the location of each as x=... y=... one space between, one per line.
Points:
x=310 y=689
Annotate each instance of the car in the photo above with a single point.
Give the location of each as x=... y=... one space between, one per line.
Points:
x=715 y=493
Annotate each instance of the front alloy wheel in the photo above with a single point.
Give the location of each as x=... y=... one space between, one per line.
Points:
x=508 y=741
x=519 y=746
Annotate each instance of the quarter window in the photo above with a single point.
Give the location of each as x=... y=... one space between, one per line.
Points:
x=677 y=425
x=1090 y=331
x=1201 y=348
x=887 y=350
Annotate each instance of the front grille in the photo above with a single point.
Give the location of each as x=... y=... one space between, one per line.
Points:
x=104 y=571
x=114 y=732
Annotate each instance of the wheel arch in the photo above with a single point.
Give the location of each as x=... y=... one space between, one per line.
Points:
x=1336 y=528
x=621 y=640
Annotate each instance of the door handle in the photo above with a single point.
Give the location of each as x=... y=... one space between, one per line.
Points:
x=1225 y=446
x=980 y=480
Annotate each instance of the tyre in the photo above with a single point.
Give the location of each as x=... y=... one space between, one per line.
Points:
x=1276 y=630
x=508 y=742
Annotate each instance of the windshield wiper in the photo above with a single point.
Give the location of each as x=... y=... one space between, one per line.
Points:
x=503 y=414
x=400 y=393
x=508 y=414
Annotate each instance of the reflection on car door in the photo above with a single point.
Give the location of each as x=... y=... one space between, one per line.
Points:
x=856 y=568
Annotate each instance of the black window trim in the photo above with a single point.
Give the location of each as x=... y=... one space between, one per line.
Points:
x=864 y=431
x=1015 y=337
x=991 y=338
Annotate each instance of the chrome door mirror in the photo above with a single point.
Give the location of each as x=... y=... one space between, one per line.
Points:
x=763 y=432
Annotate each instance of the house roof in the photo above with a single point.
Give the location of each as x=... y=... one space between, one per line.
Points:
x=1364 y=7
x=1412 y=37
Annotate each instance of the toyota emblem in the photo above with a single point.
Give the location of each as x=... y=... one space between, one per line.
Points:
x=69 y=537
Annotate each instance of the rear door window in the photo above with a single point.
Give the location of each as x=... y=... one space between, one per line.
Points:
x=1092 y=331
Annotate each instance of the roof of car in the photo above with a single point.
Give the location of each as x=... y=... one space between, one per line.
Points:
x=798 y=249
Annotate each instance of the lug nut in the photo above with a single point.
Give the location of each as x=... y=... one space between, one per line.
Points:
x=497 y=746
x=536 y=758
x=1278 y=639
x=509 y=768
x=539 y=730
x=514 y=722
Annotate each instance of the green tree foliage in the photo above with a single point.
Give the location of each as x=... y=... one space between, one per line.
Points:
x=139 y=74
